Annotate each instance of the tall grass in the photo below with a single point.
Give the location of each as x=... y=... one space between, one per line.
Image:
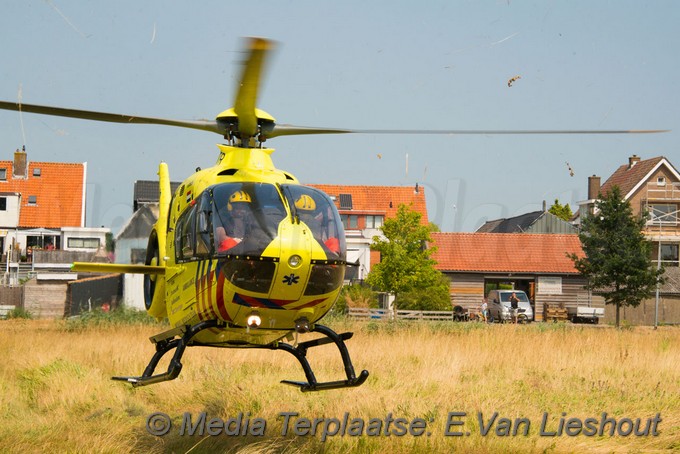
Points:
x=56 y=393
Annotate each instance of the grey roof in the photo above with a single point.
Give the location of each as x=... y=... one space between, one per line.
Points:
x=147 y=191
x=534 y=222
x=516 y=224
x=140 y=224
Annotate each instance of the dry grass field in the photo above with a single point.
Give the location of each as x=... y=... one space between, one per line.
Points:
x=56 y=394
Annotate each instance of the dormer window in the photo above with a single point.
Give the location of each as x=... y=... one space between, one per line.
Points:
x=374 y=222
x=32 y=200
x=36 y=172
x=3 y=174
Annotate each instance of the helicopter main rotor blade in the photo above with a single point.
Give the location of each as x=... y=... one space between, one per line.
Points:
x=249 y=83
x=279 y=130
x=291 y=130
x=204 y=125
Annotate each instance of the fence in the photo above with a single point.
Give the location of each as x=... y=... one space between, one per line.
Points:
x=6 y=309
x=385 y=314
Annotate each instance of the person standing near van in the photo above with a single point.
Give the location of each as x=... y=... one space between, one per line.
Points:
x=485 y=311
x=514 y=307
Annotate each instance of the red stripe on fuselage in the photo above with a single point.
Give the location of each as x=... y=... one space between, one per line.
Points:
x=312 y=303
x=219 y=293
x=211 y=279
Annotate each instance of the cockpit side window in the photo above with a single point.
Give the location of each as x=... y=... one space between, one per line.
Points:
x=184 y=238
x=204 y=227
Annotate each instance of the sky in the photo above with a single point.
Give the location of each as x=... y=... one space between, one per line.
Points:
x=352 y=64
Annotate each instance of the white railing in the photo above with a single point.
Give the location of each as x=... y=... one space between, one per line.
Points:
x=385 y=314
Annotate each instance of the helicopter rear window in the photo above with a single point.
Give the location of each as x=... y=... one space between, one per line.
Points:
x=246 y=217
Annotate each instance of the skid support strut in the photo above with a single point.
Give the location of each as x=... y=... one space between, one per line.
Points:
x=300 y=352
x=164 y=343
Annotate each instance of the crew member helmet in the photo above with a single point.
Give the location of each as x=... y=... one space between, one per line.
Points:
x=305 y=203
x=238 y=197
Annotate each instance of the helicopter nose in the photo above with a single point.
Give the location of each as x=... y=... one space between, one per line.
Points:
x=295 y=262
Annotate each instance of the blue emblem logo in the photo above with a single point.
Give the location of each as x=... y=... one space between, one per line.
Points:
x=292 y=279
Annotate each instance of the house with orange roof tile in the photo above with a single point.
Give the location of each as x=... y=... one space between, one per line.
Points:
x=537 y=264
x=42 y=206
x=651 y=186
x=363 y=209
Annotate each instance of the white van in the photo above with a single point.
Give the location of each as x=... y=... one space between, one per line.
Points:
x=501 y=309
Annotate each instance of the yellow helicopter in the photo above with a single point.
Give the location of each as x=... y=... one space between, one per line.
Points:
x=242 y=254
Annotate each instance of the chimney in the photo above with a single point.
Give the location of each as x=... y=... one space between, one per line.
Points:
x=593 y=187
x=545 y=206
x=20 y=168
x=417 y=190
x=633 y=160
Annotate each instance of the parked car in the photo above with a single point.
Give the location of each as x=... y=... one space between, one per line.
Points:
x=501 y=310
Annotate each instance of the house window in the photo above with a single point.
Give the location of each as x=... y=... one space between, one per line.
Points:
x=374 y=222
x=669 y=254
x=3 y=174
x=663 y=213
x=83 y=243
x=3 y=203
x=36 y=172
x=350 y=221
x=32 y=200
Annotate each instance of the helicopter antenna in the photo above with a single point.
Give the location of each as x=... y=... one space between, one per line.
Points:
x=407 y=166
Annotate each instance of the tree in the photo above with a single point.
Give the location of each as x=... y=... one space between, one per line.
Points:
x=561 y=211
x=433 y=298
x=405 y=260
x=617 y=255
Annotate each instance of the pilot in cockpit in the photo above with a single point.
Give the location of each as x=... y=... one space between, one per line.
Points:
x=238 y=223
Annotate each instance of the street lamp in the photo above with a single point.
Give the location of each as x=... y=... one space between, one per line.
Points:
x=658 y=267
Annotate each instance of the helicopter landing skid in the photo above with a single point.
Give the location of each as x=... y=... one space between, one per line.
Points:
x=300 y=352
x=167 y=341
x=164 y=343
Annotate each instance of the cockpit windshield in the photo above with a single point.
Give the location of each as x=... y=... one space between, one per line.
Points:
x=316 y=210
x=246 y=217
x=242 y=219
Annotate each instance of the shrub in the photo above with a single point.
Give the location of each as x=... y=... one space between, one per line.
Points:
x=19 y=312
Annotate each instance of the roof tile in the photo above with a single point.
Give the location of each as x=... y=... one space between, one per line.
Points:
x=506 y=252
x=58 y=192
x=626 y=177
x=378 y=199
